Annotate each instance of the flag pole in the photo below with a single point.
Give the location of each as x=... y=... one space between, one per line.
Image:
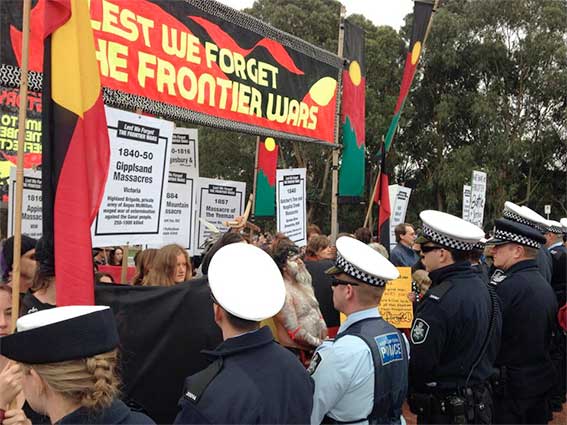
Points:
x=124 y=269
x=335 y=154
x=20 y=163
x=255 y=176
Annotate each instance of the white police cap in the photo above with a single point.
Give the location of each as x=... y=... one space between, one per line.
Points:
x=61 y=333
x=449 y=231
x=563 y=222
x=246 y=282
x=524 y=215
x=363 y=263
x=554 y=227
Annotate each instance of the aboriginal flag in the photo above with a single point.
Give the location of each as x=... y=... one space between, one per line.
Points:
x=382 y=199
x=75 y=147
x=351 y=173
x=421 y=16
x=264 y=204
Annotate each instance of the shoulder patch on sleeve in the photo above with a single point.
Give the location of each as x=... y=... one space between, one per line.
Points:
x=497 y=277
x=437 y=292
x=419 y=331
x=195 y=385
x=315 y=361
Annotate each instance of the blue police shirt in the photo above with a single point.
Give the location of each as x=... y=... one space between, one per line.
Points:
x=343 y=372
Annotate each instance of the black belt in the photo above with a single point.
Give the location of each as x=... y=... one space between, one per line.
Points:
x=328 y=420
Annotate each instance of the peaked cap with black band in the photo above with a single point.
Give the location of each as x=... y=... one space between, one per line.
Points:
x=448 y=231
x=61 y=333
x=524 y=215
x=554 y=227
x=508 y=231
x=363 y=263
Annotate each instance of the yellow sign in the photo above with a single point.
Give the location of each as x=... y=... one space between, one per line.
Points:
x=395 y=306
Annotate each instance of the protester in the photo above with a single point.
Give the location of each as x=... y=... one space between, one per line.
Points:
x=171 y=266
x=422 y=285
x=101 y=277
x=530 y=310
x=313 y=230
x=27 y=261
x=252 y=379
x=99 y=257
x=363 y=235
x=116 y=256
x=361 y=376
x=379 y=248
x=402 y=254
x=72 y=378
x=318 y=248
x=42 y=294
x=144 y=261
x=456 y=330
x=300 y=324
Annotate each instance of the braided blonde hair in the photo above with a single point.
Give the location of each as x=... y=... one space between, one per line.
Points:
x=92 y=382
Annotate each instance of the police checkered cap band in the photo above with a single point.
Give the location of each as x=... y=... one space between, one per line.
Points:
x=356 y=273
x=514 y=237
x=554 y=228
x=512 y=215
x=479 y=245
x=444 y=240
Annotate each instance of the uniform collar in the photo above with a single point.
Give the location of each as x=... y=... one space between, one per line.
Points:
x=439 y=275
x=115 y=414
x=258 y=338
x=555 y=245
x=357 y=316
x=521 y=265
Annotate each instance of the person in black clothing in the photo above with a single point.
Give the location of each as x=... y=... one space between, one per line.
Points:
x=324 y=293
x=529 y=312
x=252 y=379
x=456 y=330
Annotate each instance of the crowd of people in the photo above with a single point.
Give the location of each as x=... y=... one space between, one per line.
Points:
x=486 y=343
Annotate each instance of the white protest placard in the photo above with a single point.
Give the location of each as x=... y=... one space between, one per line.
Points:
x=291 y=204
x=133 y=204
x=478 y=195
x=466 y=202
x=32 y=224
x=399 y=200
x=179 y=217
x=217 y=201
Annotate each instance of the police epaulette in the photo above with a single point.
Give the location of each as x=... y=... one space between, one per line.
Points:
x=196 y=384
x=437 y=292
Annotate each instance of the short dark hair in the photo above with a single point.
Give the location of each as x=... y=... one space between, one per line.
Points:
x=363 y=235
x=400 y=230
x=243 y=325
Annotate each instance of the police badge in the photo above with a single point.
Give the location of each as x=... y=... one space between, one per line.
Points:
x=419 y=331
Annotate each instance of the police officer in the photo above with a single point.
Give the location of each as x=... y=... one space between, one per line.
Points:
x=527 y=216
x=529 y=311
x=252 y=379
x=361 y=376
x=456 y=330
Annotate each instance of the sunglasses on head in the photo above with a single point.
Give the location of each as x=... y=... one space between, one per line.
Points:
x=337 y=282
x=426 y=249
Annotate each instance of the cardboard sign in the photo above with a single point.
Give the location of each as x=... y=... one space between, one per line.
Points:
x=32 y=224
x=291 y=204
x=217 y=201
x=132 y=207
x=399 y=200
x=466 y=202
x=395 y=306
x=478 y=197
x=179 y=217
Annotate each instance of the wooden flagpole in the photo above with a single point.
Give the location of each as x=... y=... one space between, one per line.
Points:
x=255 y=175
x=20 y=163
x=335 y=167
x=371 y=201
x=124 y=269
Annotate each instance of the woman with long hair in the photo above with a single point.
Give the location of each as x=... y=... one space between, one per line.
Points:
x=73 y=378
x=144 y=261
x=170 y=267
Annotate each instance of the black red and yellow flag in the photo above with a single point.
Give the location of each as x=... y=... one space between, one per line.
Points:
x=265 y=203
x=422 y=11
x=382 y=199
x=76 y=149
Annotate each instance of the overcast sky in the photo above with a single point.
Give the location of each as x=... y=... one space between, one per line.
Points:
x=381 y=12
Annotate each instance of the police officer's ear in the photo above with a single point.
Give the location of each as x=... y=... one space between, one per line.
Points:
x=217 y=313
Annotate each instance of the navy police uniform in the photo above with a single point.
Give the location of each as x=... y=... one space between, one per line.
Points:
x=446 y=339
x=116 y=413
x=251 y=380
x=455 y=334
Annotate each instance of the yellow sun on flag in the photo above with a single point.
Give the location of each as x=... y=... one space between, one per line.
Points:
x=355 y=73
x=416 y=51
x=270 y=144
x=323 y=91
